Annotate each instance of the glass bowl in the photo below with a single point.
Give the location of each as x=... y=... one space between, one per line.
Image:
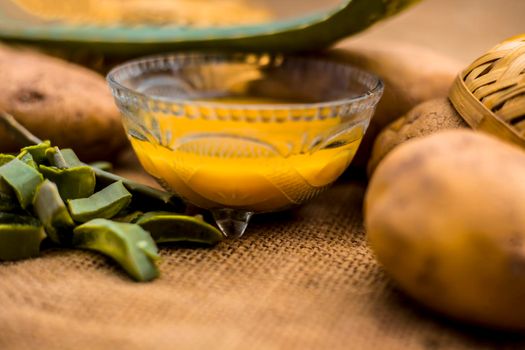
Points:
x=244 y=133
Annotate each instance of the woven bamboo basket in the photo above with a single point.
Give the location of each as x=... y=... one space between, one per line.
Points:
x=490 y=93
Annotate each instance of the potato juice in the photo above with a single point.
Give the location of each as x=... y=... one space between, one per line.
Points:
x=247 y=158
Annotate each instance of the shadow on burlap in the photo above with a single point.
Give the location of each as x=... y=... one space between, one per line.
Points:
x=298 y=280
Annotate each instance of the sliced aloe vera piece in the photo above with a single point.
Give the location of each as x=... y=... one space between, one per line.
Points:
x=23 y=179
x=167 y=227
x=128 y=244
x=56 y=159
x=106 y=166
x=6 y=158
x=53 y=213
x=71 y=158
x=20 y=236
x=8 y=202
x=130 y=218
x=20 y=241
x=149 y=196
x=18 y=219
x=105 y=203
x=38 y=152
x=74 y=180
x=72 y=183
x=27 y=158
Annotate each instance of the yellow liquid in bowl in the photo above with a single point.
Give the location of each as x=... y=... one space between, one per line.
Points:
x=253 y=166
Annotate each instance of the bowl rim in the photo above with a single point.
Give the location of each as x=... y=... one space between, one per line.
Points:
x=373 y=94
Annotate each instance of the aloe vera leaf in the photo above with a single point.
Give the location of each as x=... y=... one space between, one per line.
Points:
x=8 y=202
x=74 y=180
x=71 y=157
x=145 y=193
x=167 y=227
x=20 y=241
x=23 y=179
x=6 y=158
x=106 y=166
x=53 y=213
x=128 y=244
x=27 y=158
x=105 y=203
x=55 y=158
x=38 y=152
x=18 y=219
x=17 y=130
x=129 y=218
x=20 y=236
x=72 y=183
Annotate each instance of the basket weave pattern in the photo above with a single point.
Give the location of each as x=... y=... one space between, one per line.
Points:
x=490 y=93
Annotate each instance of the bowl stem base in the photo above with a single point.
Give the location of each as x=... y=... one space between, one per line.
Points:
x=232 y=222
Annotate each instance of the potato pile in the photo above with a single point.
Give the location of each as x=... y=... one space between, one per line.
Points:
x=444 y=212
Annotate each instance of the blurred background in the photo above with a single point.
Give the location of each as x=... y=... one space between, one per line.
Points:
x=463 y=29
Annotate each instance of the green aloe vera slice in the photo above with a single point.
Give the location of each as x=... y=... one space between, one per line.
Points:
x=103 y=204
x=27 y=158
x=167 y=227
x=38 y=152
x=18 y=219
x=130 y=218
x=71 y=157
x=8 y=202
x=72 y=183
x=147 y=196
x=53 y=213
x=102 y=165
x=20 y=237
x=128 y=244
x=74 y=180
x=23 y=179
x=6 y=158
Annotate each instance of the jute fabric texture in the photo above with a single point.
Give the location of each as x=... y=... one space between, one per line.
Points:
x=298 y=280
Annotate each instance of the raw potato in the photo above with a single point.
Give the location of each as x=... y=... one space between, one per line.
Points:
x=444 y=216
x=411 y=74
x=65 y=103
x=424 y=119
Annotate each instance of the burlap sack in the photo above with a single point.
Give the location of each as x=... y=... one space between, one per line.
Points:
x=298 y=280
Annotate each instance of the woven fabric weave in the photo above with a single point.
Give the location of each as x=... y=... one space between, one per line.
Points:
x=298 y=280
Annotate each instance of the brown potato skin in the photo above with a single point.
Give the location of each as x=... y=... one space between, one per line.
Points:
x=412 y=75
x=444 y=216
x=426 y=118
x=63 y=102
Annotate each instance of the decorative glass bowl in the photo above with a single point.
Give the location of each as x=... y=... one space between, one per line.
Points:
x=244 y=133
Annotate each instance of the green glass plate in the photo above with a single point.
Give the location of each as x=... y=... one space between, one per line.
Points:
x=309 y=32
